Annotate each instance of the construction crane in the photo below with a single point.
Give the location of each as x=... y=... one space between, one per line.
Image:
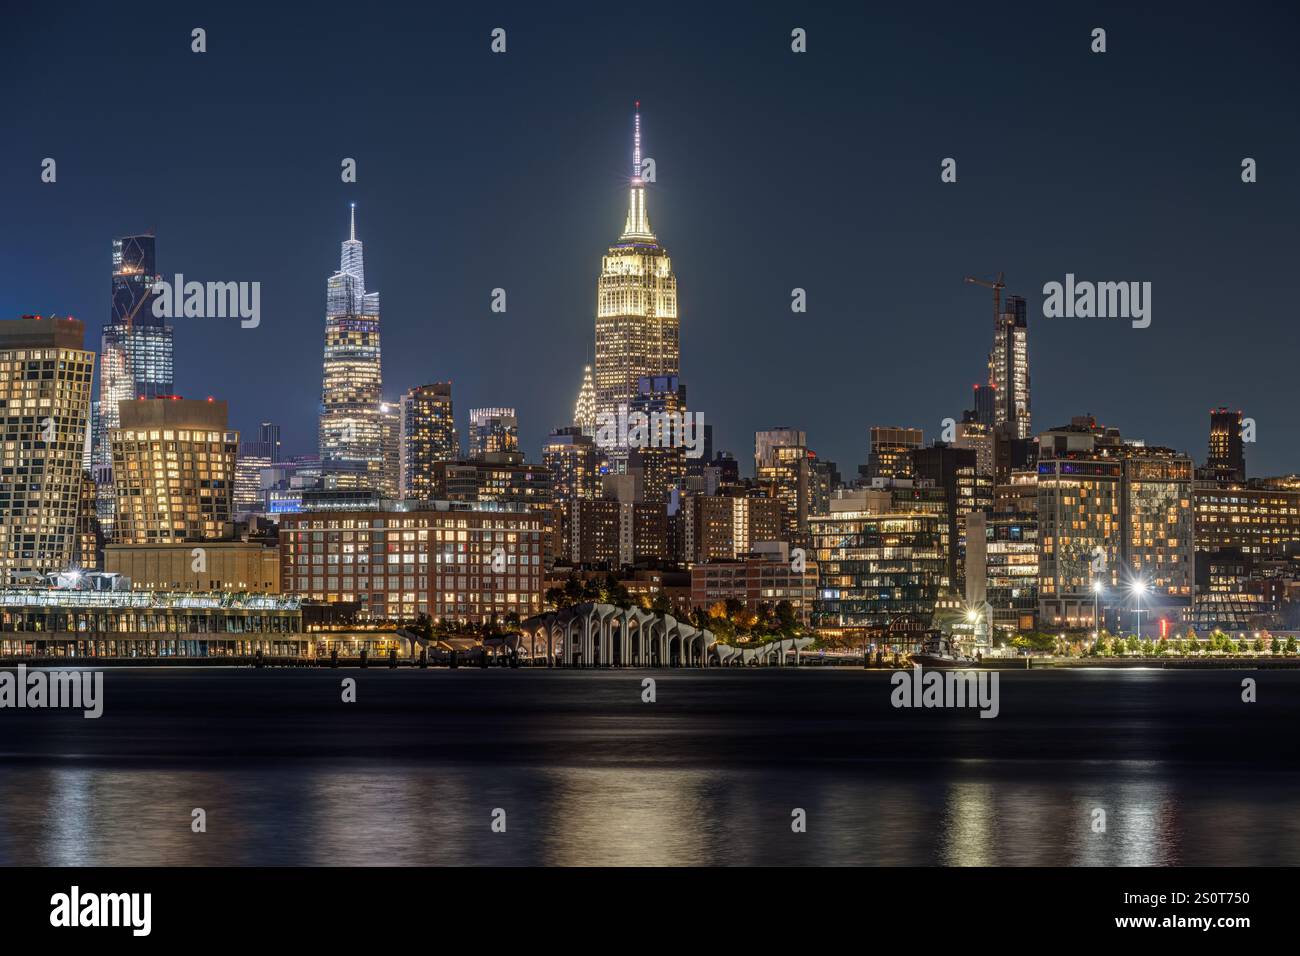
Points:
x=997 y=286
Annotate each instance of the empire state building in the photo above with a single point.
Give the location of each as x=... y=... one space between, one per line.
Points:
x=637 y=328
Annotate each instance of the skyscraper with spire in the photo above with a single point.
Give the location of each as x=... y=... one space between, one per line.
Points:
x=352 y=443
x=637 y=326
x=584 y=410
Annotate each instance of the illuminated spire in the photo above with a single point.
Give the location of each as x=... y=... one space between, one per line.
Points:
x=638 y=220
x=353 y=232
x=636 y=146
x=584 y=412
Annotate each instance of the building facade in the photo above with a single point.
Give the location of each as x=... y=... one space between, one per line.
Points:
x=428 y=436
x=725 y=527
x=891 y=452
x=45 y=389
x=235 y=566
x=874 y=569
x=89 y=622
x=1009 y=369
x=173 y=470
x=492 y=431
x=766 y=576
x=452 y=561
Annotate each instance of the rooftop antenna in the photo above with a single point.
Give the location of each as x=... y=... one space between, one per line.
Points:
x=636 y=148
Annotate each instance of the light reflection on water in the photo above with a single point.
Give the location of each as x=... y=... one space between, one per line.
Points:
x=371 y=814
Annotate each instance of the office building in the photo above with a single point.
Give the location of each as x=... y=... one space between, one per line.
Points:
x=352 y=426
x=891 y=452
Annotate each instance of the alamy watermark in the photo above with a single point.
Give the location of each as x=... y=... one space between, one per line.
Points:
x=209 y=300
x=75 y=909
x=654 y=430
x=1100 y=300
x=55 y=689
x=946 y=688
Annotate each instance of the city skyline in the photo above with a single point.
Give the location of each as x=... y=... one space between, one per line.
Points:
x=888 y=346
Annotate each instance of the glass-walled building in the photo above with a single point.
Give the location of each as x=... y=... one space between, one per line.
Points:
x=352 y=424
x=82 y=622
x=136 y=355
x=874 y=569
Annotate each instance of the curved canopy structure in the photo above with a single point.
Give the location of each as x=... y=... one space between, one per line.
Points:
x=602 y=635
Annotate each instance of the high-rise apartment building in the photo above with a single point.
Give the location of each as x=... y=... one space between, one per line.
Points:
x=1009 y=369
x=978 y=437
x=725 y=527
x=637 y=323
x=492 y=430
x=574 y=463
x=1227 y=458
x=255 y=456
x=428 y=436
x=1011 y=555
x=767 y=441
x=173 y=470
x=1080 y=492
x=1158 y=524
x=788 y=473
x=955 y=471
x=45 y=388
x=661 y=458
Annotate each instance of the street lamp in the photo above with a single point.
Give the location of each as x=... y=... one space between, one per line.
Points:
x=1096 y=597
x=1139 y=588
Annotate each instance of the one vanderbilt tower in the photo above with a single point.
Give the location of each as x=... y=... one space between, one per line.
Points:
x=637 y=327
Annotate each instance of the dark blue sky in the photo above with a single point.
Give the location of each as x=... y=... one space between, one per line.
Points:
x=775 y=170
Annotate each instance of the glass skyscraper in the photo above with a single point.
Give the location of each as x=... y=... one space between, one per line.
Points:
x=352 y=426
x=136 y=356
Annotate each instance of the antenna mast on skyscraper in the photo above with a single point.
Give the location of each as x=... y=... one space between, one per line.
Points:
x=636 y=145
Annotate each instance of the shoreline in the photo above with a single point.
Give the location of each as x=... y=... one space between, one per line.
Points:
x=998 y=664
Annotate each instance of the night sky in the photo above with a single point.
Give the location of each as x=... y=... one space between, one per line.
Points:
x=775 y=170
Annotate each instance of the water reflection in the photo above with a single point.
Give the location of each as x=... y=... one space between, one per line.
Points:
x=976 y=814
